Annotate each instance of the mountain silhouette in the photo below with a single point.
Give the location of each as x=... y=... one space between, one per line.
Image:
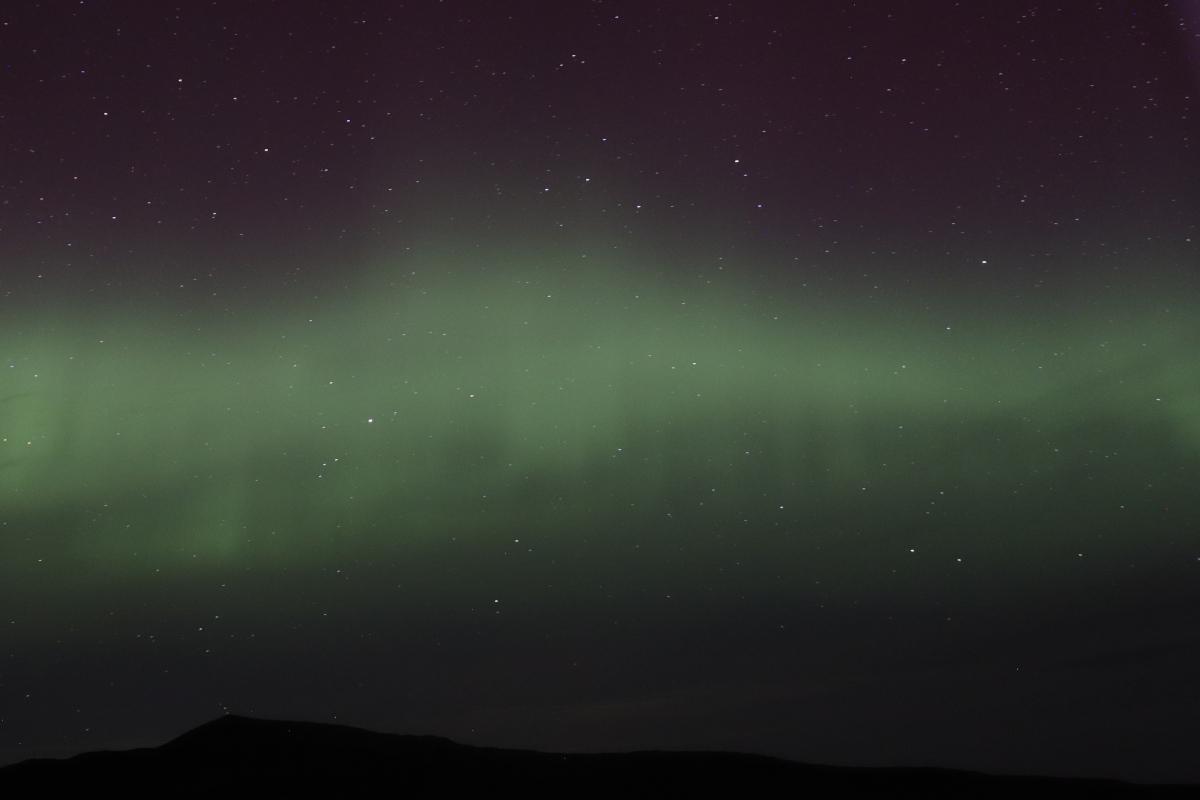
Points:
x=235 y=754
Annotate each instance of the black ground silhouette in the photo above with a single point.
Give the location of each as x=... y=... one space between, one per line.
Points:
x=233 y=754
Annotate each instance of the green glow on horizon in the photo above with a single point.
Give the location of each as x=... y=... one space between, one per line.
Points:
x=536 y=403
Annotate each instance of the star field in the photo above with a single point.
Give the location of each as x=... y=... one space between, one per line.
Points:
x=813 y=382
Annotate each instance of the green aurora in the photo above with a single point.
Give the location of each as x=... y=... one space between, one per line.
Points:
x=598 y=422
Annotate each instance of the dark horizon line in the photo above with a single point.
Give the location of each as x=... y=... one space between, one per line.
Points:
x=217 y=730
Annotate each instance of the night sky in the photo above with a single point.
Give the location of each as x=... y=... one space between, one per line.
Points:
x=812 y=379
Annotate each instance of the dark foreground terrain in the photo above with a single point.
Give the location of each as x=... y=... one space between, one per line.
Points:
x=236 y=754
